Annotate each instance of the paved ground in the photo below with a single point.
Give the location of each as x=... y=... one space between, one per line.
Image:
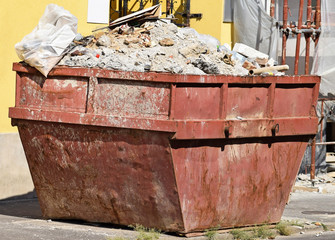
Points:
x=310 y=236
x=21 y=219
x=311 y=207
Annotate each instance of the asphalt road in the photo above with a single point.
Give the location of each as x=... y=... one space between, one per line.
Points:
x=310 y=236
x=311 y=206
x=22 y=219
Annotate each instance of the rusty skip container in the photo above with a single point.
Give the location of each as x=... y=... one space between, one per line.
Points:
x=179 y=153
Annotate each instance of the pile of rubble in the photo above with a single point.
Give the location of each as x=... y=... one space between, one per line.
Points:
x=141 y=42
x=160 y=46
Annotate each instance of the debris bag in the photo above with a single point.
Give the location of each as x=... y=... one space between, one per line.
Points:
x=324 y=57
x=255 y=28
x=46 y=44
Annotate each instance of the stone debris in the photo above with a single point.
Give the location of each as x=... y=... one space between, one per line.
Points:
x=166 y=42
x=322 y=183
x=156 y=46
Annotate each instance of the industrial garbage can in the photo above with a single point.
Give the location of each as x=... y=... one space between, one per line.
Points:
x=180 y=153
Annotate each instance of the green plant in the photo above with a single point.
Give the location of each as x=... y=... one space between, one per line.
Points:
x=263 y=232
x=146 y=233
x=211 y=234
x=295 y=223
x=240 y=234
x=283 y=228
x=325 y=227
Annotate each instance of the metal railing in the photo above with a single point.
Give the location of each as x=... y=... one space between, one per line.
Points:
x=311 y=30
x=321 y=143
x=122 y=8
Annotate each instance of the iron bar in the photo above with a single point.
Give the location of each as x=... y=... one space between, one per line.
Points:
x=125 y=7
x=272 y=8
x=297 y=52
x=322 y=109
x=168 y=7
x=120 y=8
x=285 y=35
x=188 y=12
x=314 y=144
x=313 y=159
x=308 y=35
x=141 y=4
x=303 y=30
x=317 y=19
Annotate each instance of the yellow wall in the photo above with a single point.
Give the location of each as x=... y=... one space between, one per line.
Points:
x=212 y=19
x=19 y=17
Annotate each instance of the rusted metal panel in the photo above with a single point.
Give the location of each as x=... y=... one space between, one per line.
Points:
x=292 y=101
x=126 y=98
x=176 y=152
x=247 y=101
x=235 y=183
x=102 y=174
x=56 y=93
x=191 y=104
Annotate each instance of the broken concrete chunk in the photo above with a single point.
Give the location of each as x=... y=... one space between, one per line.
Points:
x=194 y=50
x=173 y=28
x=166 y=42
x=104 y=40
x=250 y=52
x=206 y=65
x=174 y=69
x=128 y=41
x=77 y=53
x=262 y=61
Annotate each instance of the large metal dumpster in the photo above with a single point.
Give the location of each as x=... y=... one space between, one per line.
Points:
x=179 y=153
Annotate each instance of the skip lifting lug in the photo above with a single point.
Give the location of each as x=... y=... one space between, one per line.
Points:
x=275 y=129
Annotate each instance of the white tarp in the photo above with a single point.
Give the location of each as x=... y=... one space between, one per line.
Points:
x=254 y=27
x=46 y=44
x=324 y=59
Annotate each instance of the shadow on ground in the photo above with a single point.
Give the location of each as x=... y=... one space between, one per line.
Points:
x=25 y=205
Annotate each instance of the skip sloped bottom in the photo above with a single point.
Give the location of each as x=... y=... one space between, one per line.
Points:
x=128 y=177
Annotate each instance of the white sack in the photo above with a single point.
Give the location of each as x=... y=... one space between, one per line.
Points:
x=45 y=45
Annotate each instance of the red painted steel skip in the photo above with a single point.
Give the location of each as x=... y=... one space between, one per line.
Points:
x=179 y=153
